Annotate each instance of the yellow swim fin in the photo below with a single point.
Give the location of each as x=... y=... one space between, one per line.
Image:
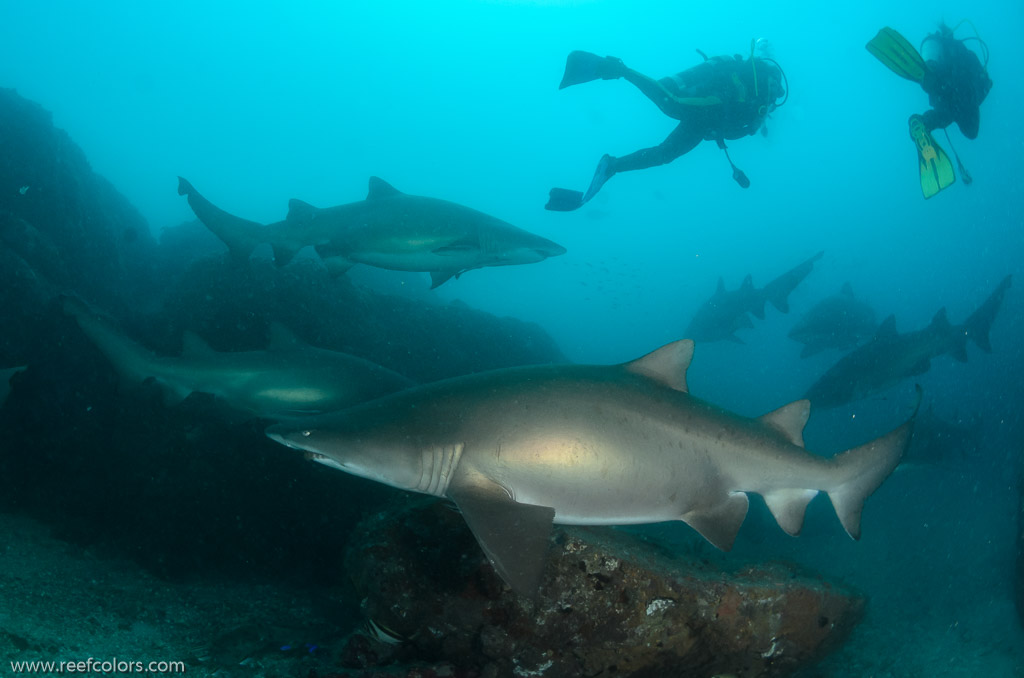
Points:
x=898 y=55
x=935 y=167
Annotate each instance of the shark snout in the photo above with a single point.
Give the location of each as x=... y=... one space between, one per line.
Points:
x=287 y=436
x=551 y=250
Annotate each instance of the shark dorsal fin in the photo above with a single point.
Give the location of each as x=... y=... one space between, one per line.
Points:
x=939 y=320
x=380 y=189
x=789 y=420
x=847 y=290
x=666 y=365
x=748 y=283
x=192 y=346
x=283 y=339
x=300 y=212
x=887 y=329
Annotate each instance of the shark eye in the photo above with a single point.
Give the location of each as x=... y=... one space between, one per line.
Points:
x=306 y=434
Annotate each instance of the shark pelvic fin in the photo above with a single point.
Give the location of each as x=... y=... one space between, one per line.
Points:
x=789 y=507
x=666 y=365
x=380 y=189
x=513 y=536
x=193 y=346
x=789 y=420
x=720 y=524
x=283 y=339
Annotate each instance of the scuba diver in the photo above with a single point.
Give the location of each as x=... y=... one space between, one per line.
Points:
x=956 y=81
x=725 y=97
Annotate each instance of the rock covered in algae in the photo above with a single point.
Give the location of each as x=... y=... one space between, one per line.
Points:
x=610 y=604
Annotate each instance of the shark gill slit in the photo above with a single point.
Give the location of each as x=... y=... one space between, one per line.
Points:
x=437 y=466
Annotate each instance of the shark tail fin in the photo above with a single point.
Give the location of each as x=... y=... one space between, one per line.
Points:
x=131 y=360
x=977 y=326
x=240 y=235
x=858 y=472
x=778 y=290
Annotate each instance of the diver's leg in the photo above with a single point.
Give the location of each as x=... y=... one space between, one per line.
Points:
x=655 y=90
x=682 y=140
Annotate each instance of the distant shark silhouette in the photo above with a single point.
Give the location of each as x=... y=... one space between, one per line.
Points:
x=390 y=230
x=519 y=449
x=891 y=357
x=841 y=322
x=6 y=375
x=725 y=312
x=289 y=378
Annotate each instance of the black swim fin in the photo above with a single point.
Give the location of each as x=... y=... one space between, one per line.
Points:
x=564 y=200
x=898 y=55
x=934 y=165
x=583 y=67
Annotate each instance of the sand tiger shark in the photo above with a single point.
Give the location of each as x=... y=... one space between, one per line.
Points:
x=726 y=311
x=289 y=378
x=522 y=448
x=839 y=322
x=891 y=357
x=390 y=230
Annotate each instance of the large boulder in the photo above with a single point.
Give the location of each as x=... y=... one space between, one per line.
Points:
x=62 y=226
x=610 y=605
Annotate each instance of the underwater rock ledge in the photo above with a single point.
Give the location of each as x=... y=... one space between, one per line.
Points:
x=610 y=604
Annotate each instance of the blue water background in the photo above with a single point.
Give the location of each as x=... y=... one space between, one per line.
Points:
x=459 y=100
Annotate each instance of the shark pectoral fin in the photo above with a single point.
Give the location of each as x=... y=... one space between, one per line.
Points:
x=194 y=347
x=721 y=523
x=789 y=507
x=789 y=420
x=438 y=278
x=666 y=365
x=514 y=536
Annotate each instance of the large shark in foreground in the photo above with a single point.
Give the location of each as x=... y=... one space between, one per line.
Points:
x=390 y=229
x=290 y=378
x=519 y=449
x=891 y=357
x=725 y=312
x=841 y=322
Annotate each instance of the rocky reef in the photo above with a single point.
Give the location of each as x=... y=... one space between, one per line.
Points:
x=610 y=604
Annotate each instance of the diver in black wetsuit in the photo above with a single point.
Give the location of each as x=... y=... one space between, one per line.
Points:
x=956 y=82
x=722 y=99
